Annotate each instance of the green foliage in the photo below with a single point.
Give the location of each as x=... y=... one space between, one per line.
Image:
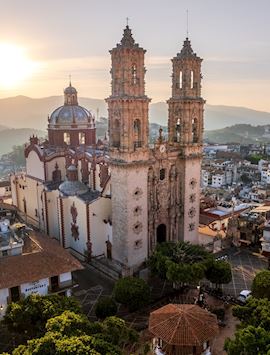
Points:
x=219 y=273
x=70 y=324
x=31 y=314
x=255 y=312
x=245 y=179
x=105 y=307
x=132 y=292
x=253 y=335
x=66 y=333
x=255 y=158
x=249 y=341
x=180 y=262
x=56 y=344
x=261 y=285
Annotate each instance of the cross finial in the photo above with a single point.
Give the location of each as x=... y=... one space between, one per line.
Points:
x=127 y=19
x=187 y=23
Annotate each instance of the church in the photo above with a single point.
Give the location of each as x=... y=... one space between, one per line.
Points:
x=117 y=198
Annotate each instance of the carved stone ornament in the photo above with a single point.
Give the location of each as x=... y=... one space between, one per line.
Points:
x=193 y=183
x=192 y=212
x=191 y=227
x=138 y=244
x=137 y=193
x=137 y=211
x=137 y=227
x=192 y=198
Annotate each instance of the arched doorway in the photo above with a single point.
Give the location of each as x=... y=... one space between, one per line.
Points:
x=161 y=233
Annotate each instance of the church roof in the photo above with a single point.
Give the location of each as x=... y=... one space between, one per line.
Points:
x=187 y=51
x=127 y=40
x=183 y=324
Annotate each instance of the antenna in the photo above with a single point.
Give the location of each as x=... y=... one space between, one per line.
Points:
x=127 y=19
x=187 y=23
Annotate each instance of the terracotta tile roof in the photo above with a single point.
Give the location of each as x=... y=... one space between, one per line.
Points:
x=183 y=324
x=47 y=258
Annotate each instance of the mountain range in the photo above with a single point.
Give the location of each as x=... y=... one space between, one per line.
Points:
x=22 y=116
x=22 y=112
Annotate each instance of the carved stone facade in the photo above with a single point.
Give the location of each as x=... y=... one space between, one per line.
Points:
x=155 y=192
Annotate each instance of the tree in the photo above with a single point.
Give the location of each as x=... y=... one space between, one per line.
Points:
x=105 y=307
x=180 y=262
x=261 y=284
x=31 y=314
x=219 y=273
x=249 y=341
x=54 y=343
x=132 y=292
x=255 y=312
x=253 y=336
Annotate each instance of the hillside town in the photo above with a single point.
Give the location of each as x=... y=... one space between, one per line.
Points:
x=123 y=237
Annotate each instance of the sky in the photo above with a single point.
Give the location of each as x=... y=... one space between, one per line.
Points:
x=59 y=38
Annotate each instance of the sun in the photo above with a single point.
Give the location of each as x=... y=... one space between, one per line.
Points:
x=15 y=66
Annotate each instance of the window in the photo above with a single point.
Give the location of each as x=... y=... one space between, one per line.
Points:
x=181 y=80
x=116 y=133
x=82 y=138
x=162 y=174
x=5 y=253
x=134 y=74
x=67 y=138
x=191 y=79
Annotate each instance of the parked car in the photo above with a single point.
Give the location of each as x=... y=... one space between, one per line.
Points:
x=243 y=296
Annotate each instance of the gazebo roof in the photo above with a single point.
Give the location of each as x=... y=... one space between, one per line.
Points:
x=183 y=324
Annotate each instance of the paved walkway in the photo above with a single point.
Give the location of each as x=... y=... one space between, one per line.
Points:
x=245 y=265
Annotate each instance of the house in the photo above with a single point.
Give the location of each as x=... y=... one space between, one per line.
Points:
x=32 y=263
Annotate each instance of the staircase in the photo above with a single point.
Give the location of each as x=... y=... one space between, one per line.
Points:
x=107 y=267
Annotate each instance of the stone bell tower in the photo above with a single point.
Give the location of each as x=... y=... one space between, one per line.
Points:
x=129 y=152
x=185 y=135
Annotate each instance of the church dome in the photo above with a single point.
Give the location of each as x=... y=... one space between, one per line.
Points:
x=71 y=112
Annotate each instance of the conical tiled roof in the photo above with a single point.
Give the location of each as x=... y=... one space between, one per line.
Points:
x=183 y=324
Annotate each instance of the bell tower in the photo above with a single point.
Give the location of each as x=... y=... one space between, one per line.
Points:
x=185 y=135
x=129 y=152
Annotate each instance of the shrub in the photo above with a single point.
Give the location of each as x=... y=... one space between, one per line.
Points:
x=132 y=292
x=105 y=307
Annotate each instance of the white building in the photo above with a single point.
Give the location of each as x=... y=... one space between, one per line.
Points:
x=32 y=263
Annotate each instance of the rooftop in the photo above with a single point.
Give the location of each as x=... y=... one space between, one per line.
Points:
x=42 y=257
x=183 y=324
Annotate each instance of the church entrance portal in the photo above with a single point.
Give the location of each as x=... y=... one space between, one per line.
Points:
x=161 y=233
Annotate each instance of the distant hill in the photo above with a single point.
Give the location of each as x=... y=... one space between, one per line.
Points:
x=10 y=137
x=240 y=133
x=22 y=111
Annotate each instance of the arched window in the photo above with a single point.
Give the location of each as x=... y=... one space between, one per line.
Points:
x=82 y=138
x=137 y=133
x=116 y=133
x=178 y=131
x=134 y=74
x=194 y=132
x=67 y=138
x=191 y=79
x=181 y=79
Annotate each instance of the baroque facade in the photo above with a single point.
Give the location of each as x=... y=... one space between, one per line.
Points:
x=119 y=199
